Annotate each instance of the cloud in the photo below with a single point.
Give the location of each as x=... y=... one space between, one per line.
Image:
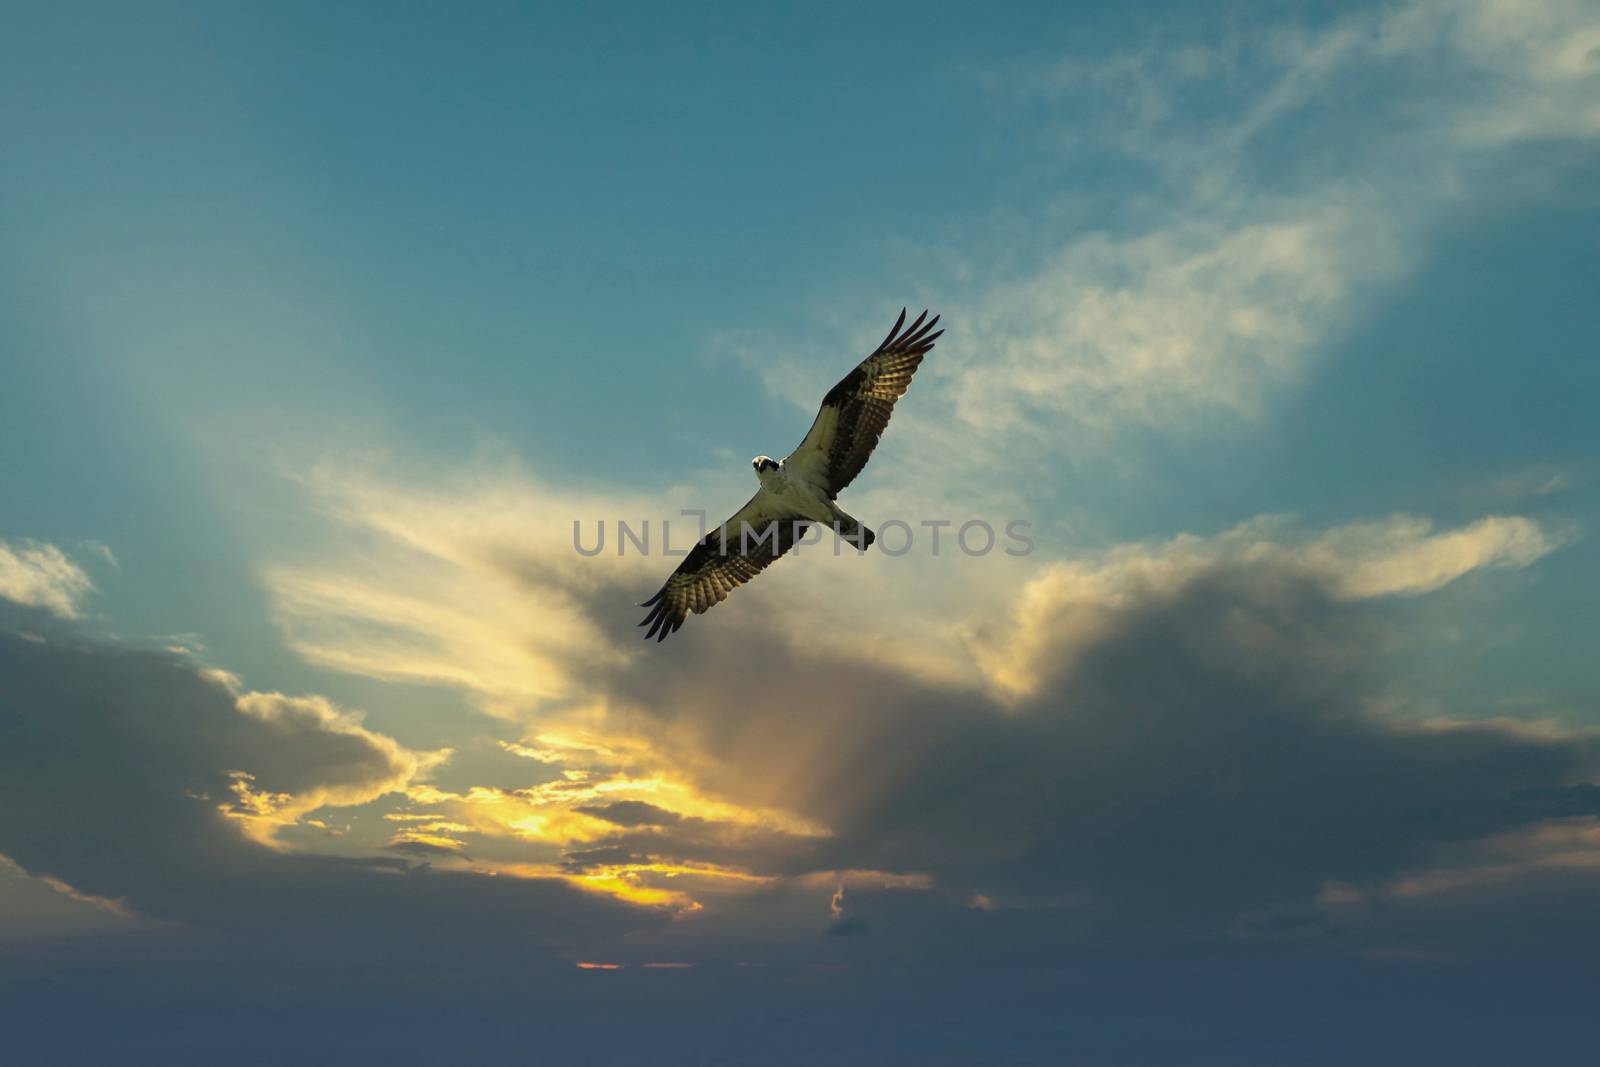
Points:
x=1279 y=176
x=843 y=924
x=356 y=765
x=135 y=777
x=1194 y=315
x=1209 y=766
x=476 y=584
x=1542 y=58
x=633 y=813
x=1210 y=751
x=475 y=588
x=1172 y=745
x=1403 y=555
x=1224 y=204
x=40 y=575
x=693 y=781
x=47 y=910
x=479 y=587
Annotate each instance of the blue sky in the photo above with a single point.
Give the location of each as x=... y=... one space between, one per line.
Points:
x=319 y=329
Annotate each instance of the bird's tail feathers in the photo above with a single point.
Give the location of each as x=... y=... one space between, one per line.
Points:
x=855 y=533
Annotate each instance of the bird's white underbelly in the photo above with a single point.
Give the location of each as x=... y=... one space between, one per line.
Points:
x=798 y=496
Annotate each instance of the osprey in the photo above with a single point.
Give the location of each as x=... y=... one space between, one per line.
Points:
x=801 y=488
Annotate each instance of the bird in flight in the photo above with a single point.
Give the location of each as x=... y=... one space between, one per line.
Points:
x=801 y=488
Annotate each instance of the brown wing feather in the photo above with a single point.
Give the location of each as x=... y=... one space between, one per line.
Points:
x=710 y=572
x=860 y=404
x=847 y=429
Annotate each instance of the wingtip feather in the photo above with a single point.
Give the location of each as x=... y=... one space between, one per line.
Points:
x=894 y=329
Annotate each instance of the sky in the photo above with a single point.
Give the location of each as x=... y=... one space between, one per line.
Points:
x=324 y=331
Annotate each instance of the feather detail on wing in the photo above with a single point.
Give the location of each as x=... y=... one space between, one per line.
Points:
x=724 y=559
x=856 y=411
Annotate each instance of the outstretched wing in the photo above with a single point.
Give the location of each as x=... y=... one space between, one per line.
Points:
x=856 y=411
x=726 y=558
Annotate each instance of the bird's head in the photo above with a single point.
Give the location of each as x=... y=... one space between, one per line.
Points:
x=763 y=464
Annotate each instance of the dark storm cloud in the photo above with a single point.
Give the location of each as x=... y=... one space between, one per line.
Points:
x=633 y=813
x=1202 y=764
x=426 y=850
x=689 y=839
x=113 y=764
x=1212 y=751
x=585 y=858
